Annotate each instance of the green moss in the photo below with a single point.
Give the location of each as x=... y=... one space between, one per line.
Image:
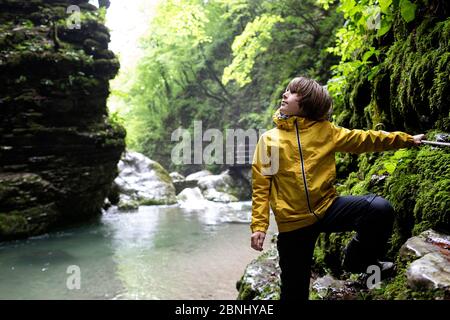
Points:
x=11 y=224
x=117 y=124
x=162 y=173
x=328 y=252
x=397 y=288
x=419 y=68
x=345 y=164
x=128 y=206
x=263 y=286
x=411 y=90
x=319 y=266
x=245 y=290
x=314 y=295
x=153 y=202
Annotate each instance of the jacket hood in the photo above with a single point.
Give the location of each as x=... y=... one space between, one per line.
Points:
x=289 y=123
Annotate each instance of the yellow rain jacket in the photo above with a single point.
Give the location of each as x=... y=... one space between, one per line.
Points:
x=294 y=168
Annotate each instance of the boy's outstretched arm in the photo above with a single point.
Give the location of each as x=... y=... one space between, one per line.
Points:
x=261 y=181
x=359 y=141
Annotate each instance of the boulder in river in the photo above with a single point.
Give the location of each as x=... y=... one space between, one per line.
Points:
x=142 y=181
x=225 y=187
x=198 y=175
x=191 y=194
x=177 y=176
x=180 y=183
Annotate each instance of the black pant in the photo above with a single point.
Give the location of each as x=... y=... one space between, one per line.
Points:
x=371 y=216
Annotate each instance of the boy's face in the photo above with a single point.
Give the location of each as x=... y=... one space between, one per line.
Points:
x=289 y=103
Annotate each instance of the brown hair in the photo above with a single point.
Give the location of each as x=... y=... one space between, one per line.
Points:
x=315 y=102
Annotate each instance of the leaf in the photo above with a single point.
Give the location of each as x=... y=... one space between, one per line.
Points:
x=246 y=47
x=347 y=7
x=407 y=10
x=390 y=167
x=367 y=55
x=373 y=72
x=385 y=27
x=384 y=5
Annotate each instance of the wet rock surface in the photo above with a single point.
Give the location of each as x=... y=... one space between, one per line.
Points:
x=180 y=183
x=58 y=149
x=330 y=288
x=261 y=279
x=431 y=266
x=427 y=272
x=142 y=181
x=225 y=187
x=198 y=175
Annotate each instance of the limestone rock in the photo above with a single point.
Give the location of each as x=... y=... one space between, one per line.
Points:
x=427 y=242
x=142 y=181
x=180 y=183
x=224 y=187
x=328 y=283
x=58 y=148
x=217 y=196
x=432 y=269
x=199 y=174
x=191 y=194
x=261 y=279
x=177 y=177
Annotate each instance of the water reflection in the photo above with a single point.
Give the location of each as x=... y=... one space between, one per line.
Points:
x=37 y=268
x=157 y=252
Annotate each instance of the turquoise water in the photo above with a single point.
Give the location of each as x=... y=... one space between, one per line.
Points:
x=157 y=252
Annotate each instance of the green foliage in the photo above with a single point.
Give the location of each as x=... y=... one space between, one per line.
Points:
x=328 y=253
x=12 y=223
x=407 y=10
x=247 y=47
x=194 y=50
x=406 y=54
x=117 y=123
x=420 y=101
x=367 y=22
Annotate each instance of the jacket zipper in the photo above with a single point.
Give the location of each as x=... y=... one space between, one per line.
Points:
x=303 y=170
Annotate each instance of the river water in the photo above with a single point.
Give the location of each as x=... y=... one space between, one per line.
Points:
x=157 y=252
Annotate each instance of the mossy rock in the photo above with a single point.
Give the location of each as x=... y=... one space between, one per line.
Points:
x=12 y=224
x=261 y=279
x=128 y=205
x=60 y=152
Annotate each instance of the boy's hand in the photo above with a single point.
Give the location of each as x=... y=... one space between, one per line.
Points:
x=418 y=138
x=258 y=240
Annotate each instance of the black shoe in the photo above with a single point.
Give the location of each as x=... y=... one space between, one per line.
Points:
x=369 y=278
x=357 y=259
x=387 y=269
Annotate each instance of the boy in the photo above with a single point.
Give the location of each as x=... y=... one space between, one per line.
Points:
x=293 y=171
